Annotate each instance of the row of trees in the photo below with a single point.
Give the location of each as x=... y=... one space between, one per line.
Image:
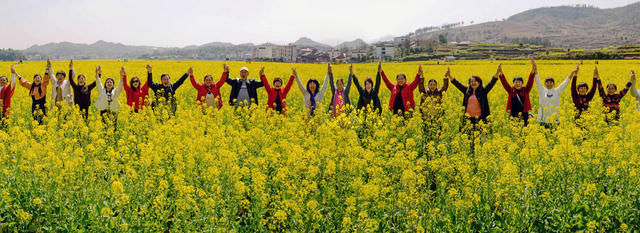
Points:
x=11 y=55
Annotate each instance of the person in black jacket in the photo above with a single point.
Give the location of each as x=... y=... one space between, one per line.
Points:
x=81 y=91
x=243 y=89
x=165 y=91
x=475 y=98
x=368 y=94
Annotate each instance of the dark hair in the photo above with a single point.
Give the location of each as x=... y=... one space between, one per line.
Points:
x=582 y=85
x=62 y=73
x=369 y=80
x=131 y=83
x=37 y=75
x=277 y=80
x=209 y=76
x=614 y=86
x=339 y=80
x=313 y=81
x=4 y=77
x=113 y=81
x=478 y=79
x=550 y=79
x=163 y=75
x=82 y=75
x=518 y=78
x=401 y=74
x=432 y=80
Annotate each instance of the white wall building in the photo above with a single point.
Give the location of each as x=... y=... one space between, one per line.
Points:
x=383 y=51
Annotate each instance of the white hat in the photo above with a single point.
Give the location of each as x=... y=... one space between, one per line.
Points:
x=244 y=68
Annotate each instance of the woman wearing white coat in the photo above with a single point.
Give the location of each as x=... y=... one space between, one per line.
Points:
x=107 y=101
x=634 y=91
x=549 y=99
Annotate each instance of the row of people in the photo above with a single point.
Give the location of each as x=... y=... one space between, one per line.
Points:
x=244 y=91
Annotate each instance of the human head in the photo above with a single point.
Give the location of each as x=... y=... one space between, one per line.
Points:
x=108 y=84
x=208 y=80
x=37 y=79
x=582 y=88
x=244 y=73
x=165 y=79
x=81 y=80
x=312 y=86
x=277 y=83
x=60 y=75
x=517 y=82
x=402 y=79
x=368 y=84
x=340 y=84
x=3 y=81
x=134 y=82
x=611 y=88
x=432 y=85
x=549 y=83
x=475 y=82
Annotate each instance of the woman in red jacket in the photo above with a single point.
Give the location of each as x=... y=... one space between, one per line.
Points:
x=402 y=93
x=518 y=103
x=277 y=95
x=6 y=92
x=135 y=94
x=209 y=92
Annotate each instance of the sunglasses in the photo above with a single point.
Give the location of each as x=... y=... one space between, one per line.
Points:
x=135 y=81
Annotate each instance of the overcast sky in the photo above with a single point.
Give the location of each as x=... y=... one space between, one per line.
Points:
x=185 y=22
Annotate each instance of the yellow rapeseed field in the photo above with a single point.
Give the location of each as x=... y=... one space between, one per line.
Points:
x=245 y=171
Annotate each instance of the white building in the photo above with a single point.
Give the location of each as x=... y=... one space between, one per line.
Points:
x=383 y=51
x=286 y=53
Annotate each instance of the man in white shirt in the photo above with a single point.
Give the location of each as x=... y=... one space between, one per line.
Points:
x=549 y=96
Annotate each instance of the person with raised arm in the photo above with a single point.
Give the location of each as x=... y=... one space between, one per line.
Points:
x=243 y=89
x=312 y=95
x=209 y=92
x=81 y=91
x=431 y=98
x=107 y=101
x=402 y=92
x=339 y=94
x=475 y=100
x=581 y=95
x=369 y=94
x=38 y=93
x=60 y=88
x=6 y=92
x=549 y=98
x=518 y=103
x=611 y=99
x=634 y=91
x=136 y=94
x=165 y=92
x=277 y=95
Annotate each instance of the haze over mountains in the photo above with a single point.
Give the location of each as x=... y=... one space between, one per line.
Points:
x=564 y=26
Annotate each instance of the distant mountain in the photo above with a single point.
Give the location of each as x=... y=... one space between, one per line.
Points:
x=99 y=49
x=355 y=44
x=564 y=26
x=306 y=42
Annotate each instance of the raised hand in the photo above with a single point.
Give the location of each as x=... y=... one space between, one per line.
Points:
x=98 y=70
x=13 y=69
x=148 y=69
x=596 y=74
x=48 y=62
x=329 y=70
x=190 y=71
x=122 y=72
x=420 y=72
x=379 y=66
x=225 y=67
x=448 y=73
x=534 y=66
x=262 y=71
x=71 y=64
x=293 y=70
x=499 y=71
x=351 y=69
x=633 y=75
